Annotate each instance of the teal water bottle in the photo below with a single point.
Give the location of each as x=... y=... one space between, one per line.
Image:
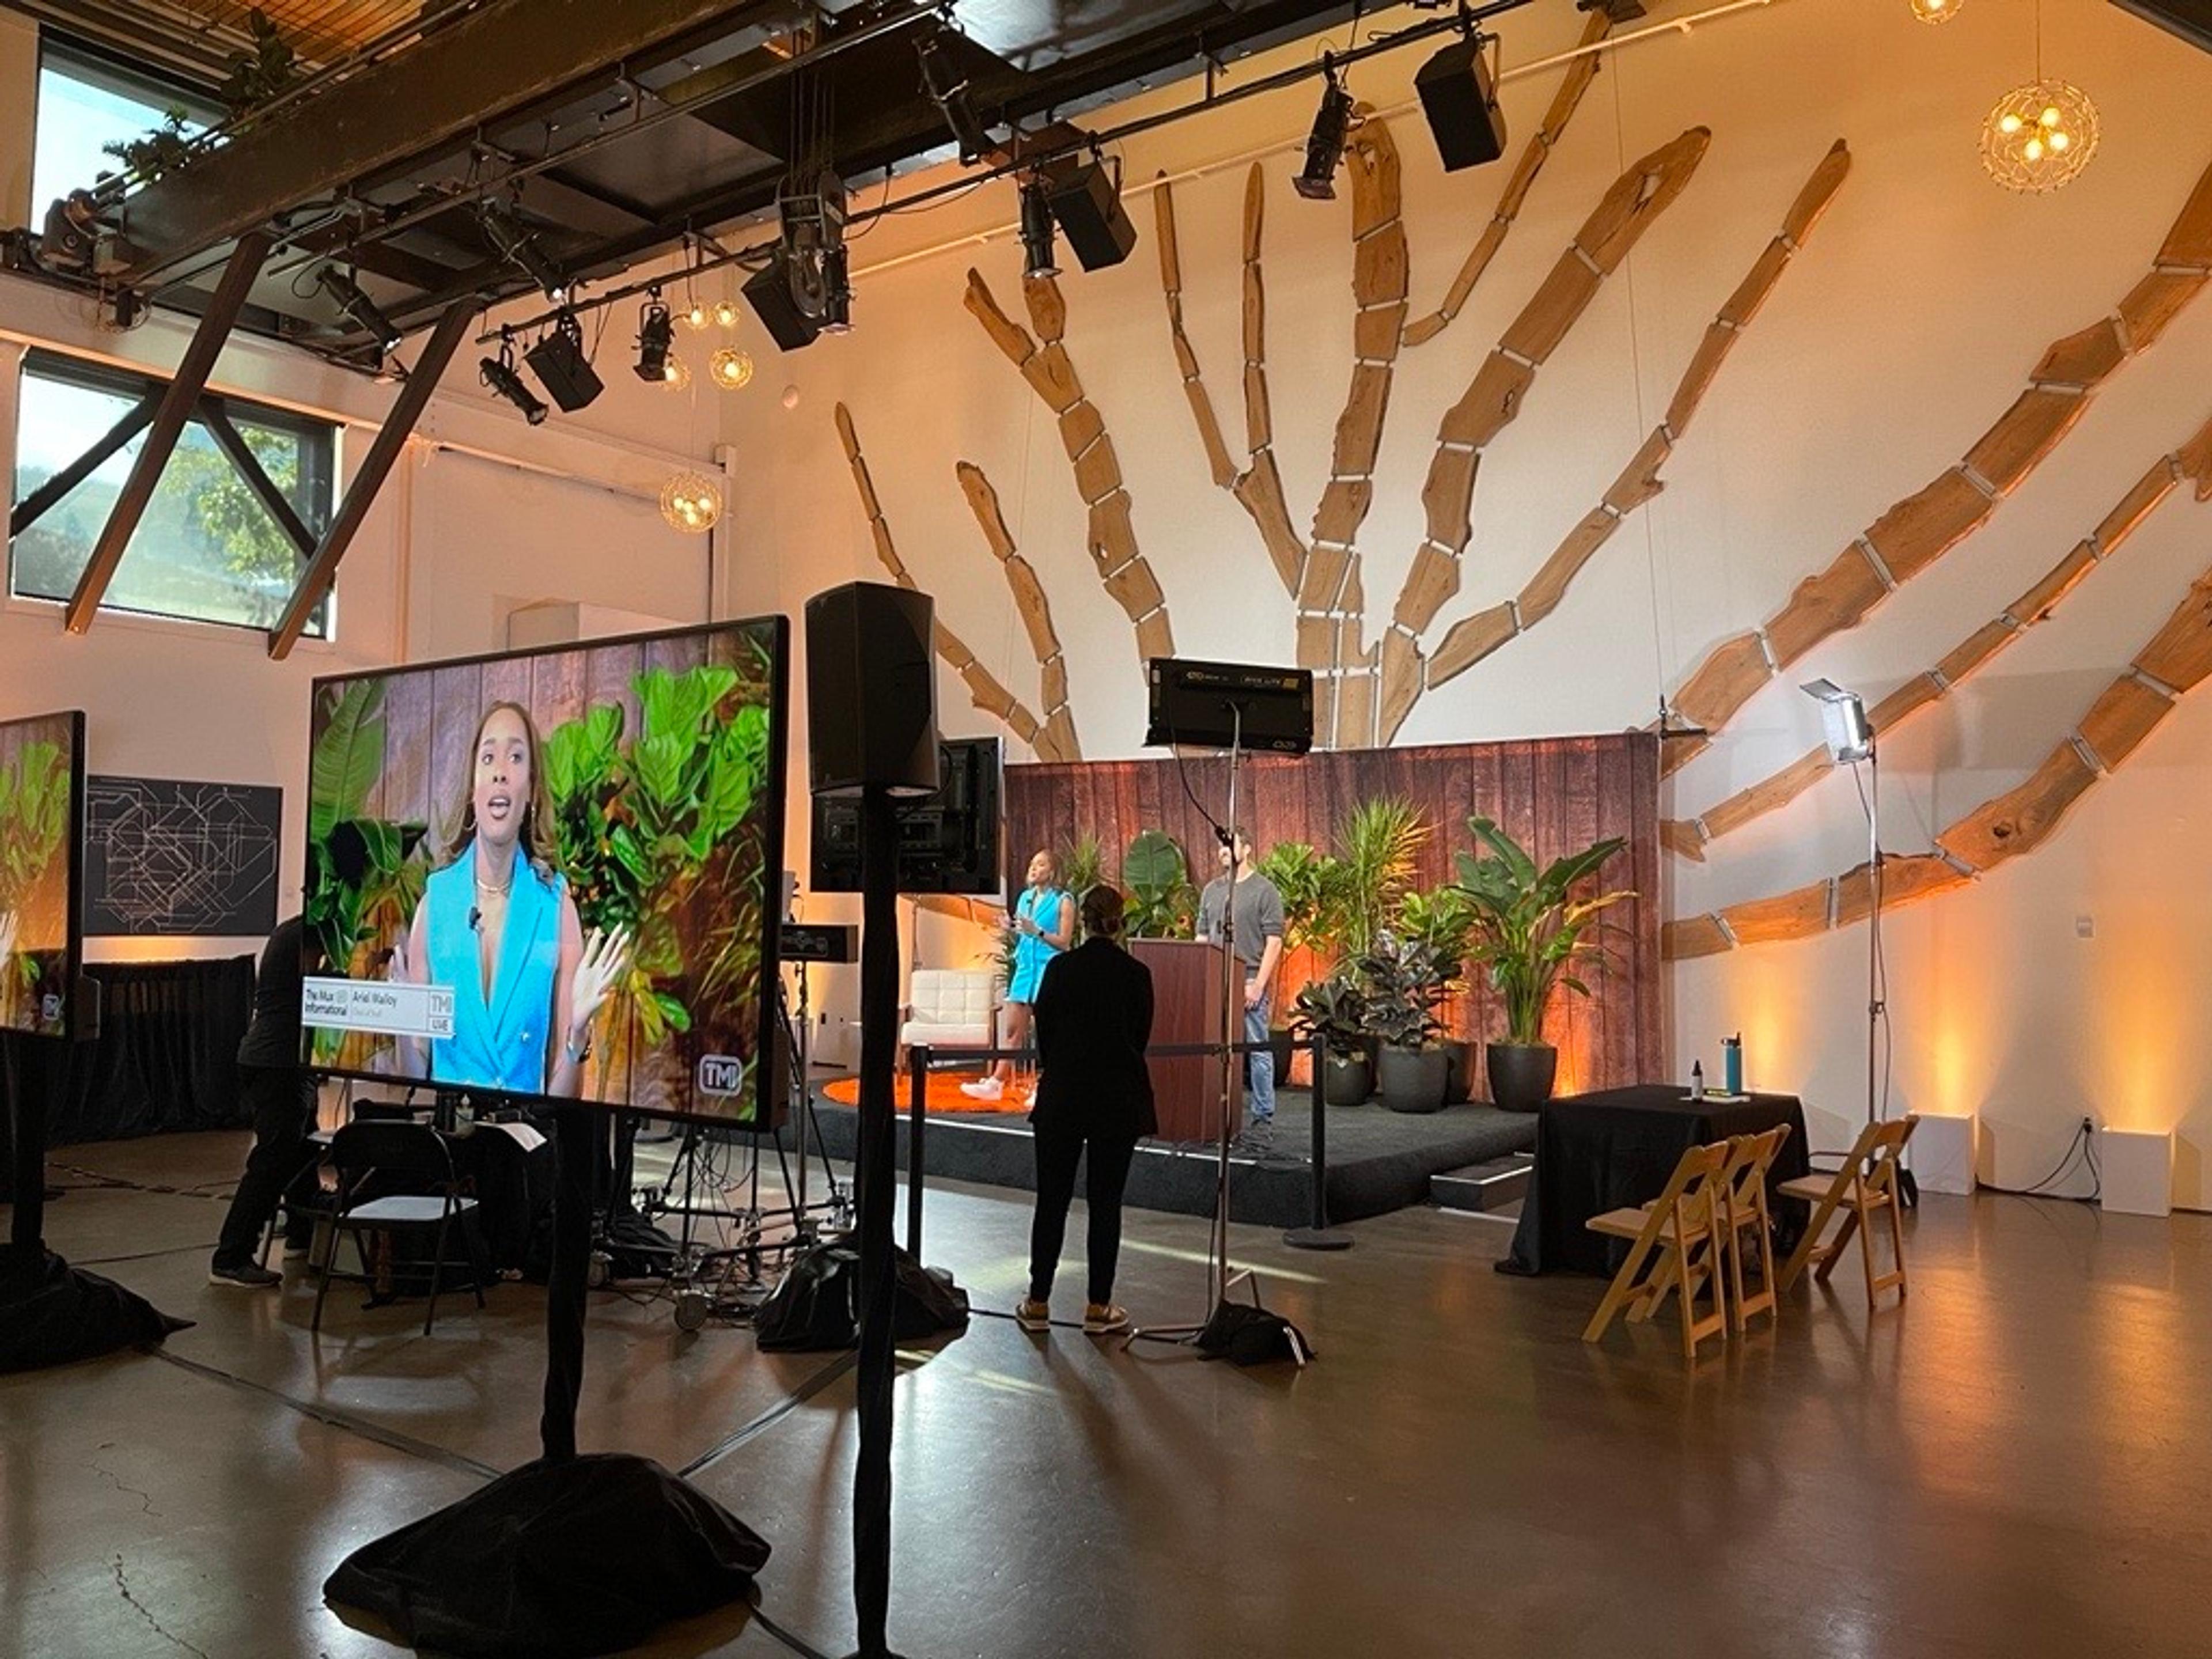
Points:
x=1731 y=1063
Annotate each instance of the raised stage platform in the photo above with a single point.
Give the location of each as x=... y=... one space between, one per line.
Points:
x=1378 y=1160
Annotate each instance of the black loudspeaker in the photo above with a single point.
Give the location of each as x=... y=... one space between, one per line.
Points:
x=1462 y=107
x=871 y=691
x=559 y=363
x=768 y=293
x=1088 y=205
x=2189 y=18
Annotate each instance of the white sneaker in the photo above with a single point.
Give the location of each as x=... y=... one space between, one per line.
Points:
x=987 y=1088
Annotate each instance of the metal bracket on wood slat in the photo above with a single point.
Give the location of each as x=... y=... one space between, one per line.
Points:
x=1766 y=650
x=1721 y=921
x=1513 y=613
x=1835 y=887
x=2171 y=694
x=1955 y=862
x=1978 y=482
x=1596 y=268
x=2089 y=757
x=1878 y=565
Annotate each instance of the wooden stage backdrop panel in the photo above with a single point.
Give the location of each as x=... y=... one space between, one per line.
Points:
x=1555 y=795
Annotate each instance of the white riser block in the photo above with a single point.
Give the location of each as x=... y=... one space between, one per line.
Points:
x=2138 y=1170
x=1945 y=1152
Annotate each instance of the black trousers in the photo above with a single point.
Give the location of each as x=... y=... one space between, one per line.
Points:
x=283 y=1103
x=1059 y=1147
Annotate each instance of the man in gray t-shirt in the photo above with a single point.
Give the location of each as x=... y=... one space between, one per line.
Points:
x=1257 y=914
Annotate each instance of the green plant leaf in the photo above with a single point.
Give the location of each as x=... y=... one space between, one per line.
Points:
x=348 y=758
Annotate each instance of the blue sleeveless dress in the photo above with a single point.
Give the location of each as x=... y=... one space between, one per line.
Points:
x=1032 y=954
x=502 y=1044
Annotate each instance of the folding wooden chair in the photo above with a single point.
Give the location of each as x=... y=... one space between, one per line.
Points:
x=1744 y=1209
x=1867 y=1183
x=1682 y=1227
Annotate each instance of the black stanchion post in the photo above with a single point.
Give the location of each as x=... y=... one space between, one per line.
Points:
x=917 y=1113
x=575 y=1150
x=1317 y=1236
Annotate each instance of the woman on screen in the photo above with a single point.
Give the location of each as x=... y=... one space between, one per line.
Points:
x=499 y=927
x=1042 y=924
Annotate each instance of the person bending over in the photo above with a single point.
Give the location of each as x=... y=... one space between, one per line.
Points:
x=1043 y=925
x=281 y=1091
x=499 y=926
x=1094 y=1017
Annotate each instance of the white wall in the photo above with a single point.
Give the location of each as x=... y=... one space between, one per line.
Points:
x=1907 y=325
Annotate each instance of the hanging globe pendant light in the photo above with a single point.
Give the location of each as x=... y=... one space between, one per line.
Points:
x=691 y=503
x=1935 y=11
x=2040 y=136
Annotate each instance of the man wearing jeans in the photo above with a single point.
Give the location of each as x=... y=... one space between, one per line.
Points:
x=1256 y=918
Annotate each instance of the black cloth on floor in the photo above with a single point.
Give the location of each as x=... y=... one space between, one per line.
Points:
x=52 y=1314
x=586 y=1555
x=817 y=1305
x=1615 y=1148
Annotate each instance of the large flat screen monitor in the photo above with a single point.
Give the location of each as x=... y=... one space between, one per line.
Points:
x=41 y=861
x=473 y=826
x=948 y=840
x=1209 y=705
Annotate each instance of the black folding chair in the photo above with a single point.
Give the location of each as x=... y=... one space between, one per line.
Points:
x=413 y=1154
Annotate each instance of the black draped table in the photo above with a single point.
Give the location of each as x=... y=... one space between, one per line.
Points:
x=1615 y=1149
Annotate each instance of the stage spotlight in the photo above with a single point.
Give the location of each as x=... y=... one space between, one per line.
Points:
x=563 y=368
x=1316 y=182
x=498 y=372
x=1087 y=200
x=1462 y=105
x=656 y=331
x=836 y=291
x=1038 y=259
x=950 y=95
x=519 y=247
x=1843 y=721
x=358 y=307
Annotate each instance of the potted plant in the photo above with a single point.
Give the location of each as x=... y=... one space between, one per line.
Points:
x=1528 y=931
x=1335 y=1011
x=1402 y=987
x=1442 y=919
x=1163 y=904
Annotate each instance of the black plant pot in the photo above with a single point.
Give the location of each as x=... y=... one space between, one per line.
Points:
x=1459 y=1077
x=1413 y=1079
x=1347 y=1081
x=1521 y=1074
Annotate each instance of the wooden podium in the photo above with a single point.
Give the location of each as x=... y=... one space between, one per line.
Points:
x=1187 y=988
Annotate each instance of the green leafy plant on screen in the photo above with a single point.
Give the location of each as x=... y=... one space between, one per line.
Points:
x=34 y=794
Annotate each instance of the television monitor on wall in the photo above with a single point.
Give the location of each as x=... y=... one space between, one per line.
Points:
x=42 y=863
x=948 y=840
x=478 y=831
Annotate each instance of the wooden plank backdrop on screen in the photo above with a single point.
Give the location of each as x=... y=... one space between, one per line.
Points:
x=1555 y=795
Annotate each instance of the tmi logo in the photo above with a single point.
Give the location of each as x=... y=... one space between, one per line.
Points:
x=721 y=1074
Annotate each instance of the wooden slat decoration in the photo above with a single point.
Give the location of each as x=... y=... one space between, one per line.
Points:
x=1580 y=73
x=1556 y=794
x=1919 y=530
x=2191 y=463
x=1639 y=480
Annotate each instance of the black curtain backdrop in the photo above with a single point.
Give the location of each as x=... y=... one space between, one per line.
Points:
x=167 y=1056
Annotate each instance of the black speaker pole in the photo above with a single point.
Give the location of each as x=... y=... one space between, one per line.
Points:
x=878 y=1172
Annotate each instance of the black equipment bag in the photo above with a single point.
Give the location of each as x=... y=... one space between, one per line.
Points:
x=1245 y=1335
x=817 y=1305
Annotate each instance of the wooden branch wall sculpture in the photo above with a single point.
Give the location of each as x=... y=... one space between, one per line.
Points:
x=1494 y=397
x=2174 y=662
x=1474 y=637
x=2191 y=463
x=1054 y=736
x=1051 y=373
x=1917 y=531
x=1564 y=102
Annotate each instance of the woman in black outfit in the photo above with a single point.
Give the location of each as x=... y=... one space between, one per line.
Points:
x=1094 y=1017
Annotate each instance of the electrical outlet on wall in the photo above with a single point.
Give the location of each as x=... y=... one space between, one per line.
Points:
x=2085 y=926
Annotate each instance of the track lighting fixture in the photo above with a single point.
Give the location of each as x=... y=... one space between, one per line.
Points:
x=1325 y=144
x=1038 y=256
x=948 y=89
x=563 y=368
x=519 y=247
x=1085 y=199
x=656 y=331
x=345 y=293
x=498 y=372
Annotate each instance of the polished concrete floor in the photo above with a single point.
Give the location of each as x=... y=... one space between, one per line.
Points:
x=2018 y=1463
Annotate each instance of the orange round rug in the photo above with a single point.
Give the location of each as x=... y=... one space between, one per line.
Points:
x=945 y=1098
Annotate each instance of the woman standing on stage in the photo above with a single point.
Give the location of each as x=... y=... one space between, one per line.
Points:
x=1042 y=924
x=499 y=927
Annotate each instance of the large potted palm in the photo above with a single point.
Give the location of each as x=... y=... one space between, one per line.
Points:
x=1528 y=931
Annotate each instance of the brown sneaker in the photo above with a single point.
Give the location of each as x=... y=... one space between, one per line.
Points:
x=1032 y=1316
x=1104 y=1318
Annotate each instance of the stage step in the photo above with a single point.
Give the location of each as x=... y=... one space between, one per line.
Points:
x=1483 y=1187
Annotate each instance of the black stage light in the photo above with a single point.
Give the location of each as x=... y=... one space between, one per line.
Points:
x=1325 y=144
x=562 y=367
x=498 y=372
x=836 y=291
x=951 y=97
x=656 y=331
x=358 y=307
x=1087 y=201
x=1461 y=104
x=519 y=247
x=1037 y=256
x=768 y=292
